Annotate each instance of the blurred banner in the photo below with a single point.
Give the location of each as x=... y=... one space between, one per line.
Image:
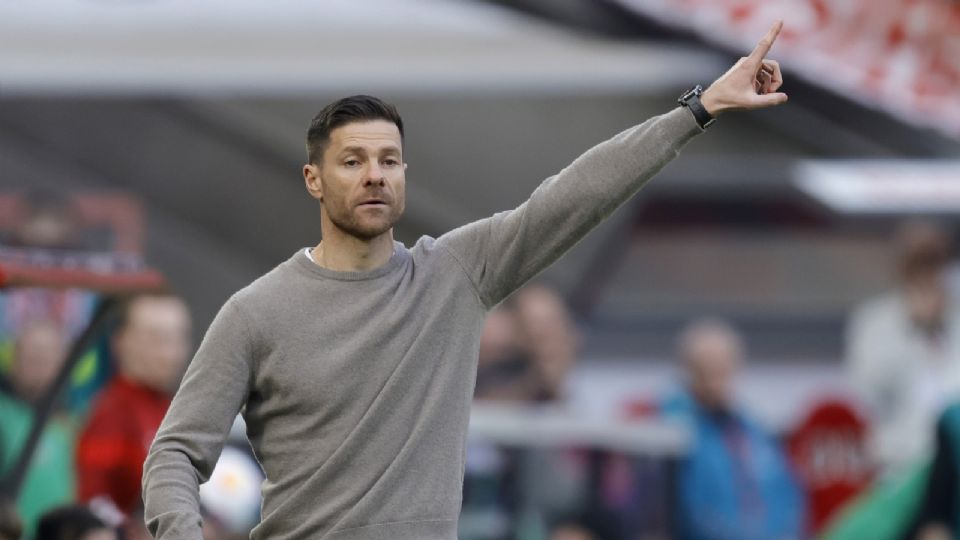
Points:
x=902 y=56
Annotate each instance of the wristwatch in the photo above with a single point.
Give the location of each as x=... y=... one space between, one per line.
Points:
x=691 y=100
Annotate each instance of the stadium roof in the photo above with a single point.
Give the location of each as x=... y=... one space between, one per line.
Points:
x=298 y=46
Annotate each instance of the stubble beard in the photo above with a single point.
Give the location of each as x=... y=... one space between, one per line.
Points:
x=346 y=221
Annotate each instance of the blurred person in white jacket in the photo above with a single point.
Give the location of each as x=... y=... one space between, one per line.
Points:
x=903 y=349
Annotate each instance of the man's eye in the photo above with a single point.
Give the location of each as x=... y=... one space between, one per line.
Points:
x=391 y=162
x=351 y=163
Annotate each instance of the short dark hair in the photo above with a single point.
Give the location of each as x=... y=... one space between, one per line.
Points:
x=359 y=108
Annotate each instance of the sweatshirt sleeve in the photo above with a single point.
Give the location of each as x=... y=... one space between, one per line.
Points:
x=189 y=441
x=502 y=252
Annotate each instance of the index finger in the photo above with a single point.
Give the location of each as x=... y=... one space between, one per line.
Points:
x=762 y=48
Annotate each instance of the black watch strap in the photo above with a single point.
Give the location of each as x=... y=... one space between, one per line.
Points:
x=691 y=100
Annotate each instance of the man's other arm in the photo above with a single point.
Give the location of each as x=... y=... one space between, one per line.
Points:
x=195 y=427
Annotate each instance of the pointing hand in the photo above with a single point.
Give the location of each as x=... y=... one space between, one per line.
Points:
x=751 y=83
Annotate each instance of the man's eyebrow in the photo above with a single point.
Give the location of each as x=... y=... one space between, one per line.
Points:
x=353 y=150
x=363 y=150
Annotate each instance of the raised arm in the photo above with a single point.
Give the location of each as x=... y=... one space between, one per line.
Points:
x=192 y=434
x=502 y=252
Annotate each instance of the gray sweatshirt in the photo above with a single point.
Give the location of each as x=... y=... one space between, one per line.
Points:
x=356 y=386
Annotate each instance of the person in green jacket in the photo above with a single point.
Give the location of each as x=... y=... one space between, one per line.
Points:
x=38 y=355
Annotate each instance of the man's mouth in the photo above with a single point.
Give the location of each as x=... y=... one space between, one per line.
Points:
x=373 y=203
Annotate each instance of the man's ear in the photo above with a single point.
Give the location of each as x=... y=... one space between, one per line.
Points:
x=311 y=178
x=405 y=165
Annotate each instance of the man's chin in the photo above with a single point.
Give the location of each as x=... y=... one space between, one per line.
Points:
x=370 y=231
x=365 y=228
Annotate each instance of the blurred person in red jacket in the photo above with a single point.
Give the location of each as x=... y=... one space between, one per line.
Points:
x=151 y=346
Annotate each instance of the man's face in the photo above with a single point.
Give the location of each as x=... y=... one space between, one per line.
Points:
x=154 y=344
x=360 y=183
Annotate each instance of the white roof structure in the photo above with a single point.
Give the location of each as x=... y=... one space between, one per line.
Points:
x=296 y=46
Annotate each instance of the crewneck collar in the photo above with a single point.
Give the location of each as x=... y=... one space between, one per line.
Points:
x=303 y=263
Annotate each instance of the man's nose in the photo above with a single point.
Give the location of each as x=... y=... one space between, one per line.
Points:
x=374 y=175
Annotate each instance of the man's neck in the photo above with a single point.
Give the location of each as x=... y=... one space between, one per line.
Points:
x=345 y=253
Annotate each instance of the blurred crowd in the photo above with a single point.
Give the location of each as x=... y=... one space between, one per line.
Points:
x=880 y=463
x=83 y=476
x=735 y=482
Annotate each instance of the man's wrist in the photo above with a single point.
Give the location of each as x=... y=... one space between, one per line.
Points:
x=692 y=99
x=710 y=103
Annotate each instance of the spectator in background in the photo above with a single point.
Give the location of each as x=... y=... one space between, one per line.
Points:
x=903 y=350
x=502 y=364
x=551 y=340
x=73 y=523
x=39 y=353
x=735 y=483
x=527 y=348
x=49 y=222
x=151 y=346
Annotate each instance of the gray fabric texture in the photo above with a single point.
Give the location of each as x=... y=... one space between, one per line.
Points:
x=356 y=386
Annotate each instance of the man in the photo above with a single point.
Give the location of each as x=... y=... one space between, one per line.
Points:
x=151 y=346
x=735 y=483
x=354 y=362
x=39 y=351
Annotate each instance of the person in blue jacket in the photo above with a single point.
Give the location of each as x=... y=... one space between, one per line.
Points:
x=736 y=482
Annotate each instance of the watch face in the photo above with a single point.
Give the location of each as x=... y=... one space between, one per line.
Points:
x=691 y=93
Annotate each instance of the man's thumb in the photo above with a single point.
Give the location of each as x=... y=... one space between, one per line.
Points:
x=769 y=100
